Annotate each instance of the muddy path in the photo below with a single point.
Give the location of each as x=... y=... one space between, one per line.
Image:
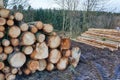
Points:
x=95 y=64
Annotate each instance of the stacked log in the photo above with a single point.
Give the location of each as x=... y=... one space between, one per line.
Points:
x=101 y=38
x=30 y=47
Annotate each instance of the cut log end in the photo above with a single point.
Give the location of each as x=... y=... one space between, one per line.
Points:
x=18 y=16
x=48 y=28
x=2 y=21
x=14 y=32
x=28 y=38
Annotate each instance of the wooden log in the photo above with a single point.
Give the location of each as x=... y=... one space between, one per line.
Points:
x=10 y=77
x=33 y=29
x=6 y=70
x=8 y=49
x=75 y=56
x=40 y=37
x=24 y=27
x=27 y=50
x=42 y=65
x=17 y=59
x=54 y=41
x=3 y=56
x=2 y=76
x=65 y=43
x=14 y=71
x=18 y=16
x=50 y=66
x=41 y=51
x=2 y=65
x=14 y=32
x=1 y=34
x=1 y=49
x=66 y=53
x=33 y=65
x=105 y=31
x=10 y=22
x=62 y=64
x=39 y=25
x=11 y=17
x=14 y=42
x=110 y=37
x=28 y=38
x=48 y=28
x=2 y=21
x=111 y=46
x=20 y=71
x=26 y=71
x=2 y=28
x=5 y=42
x=54 y=56
x=4 y=13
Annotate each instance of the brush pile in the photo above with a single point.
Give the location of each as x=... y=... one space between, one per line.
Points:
x=27 y=48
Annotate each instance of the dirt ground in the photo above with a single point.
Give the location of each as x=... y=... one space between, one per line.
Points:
x=95 y=64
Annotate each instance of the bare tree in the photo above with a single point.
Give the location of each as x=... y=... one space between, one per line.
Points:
x=69 y=8
x=11 y=3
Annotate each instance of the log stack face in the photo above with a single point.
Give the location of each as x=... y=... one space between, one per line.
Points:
x=28 y=47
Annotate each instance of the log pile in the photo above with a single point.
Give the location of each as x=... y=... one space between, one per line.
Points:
x=101 y=38
x=30 y=47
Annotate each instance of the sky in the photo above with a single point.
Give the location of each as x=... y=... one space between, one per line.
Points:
x=110 y=6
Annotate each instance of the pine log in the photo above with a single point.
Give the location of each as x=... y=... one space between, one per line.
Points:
x=10 y=22
x=11 y=17
x=2 y=76
x=42 y=65
x=28 y=38
x=50 y=66
x=17 y=59
x=65 y=43
x=14 y=42
x=10 y=77
x=33 y=65
x=2 y=21
x=5 y=42
x=2 y=65
x=54 y=56
x=14 y=32
x=3 y=56
x=110 y=37
x=62 y=64
x=75 y=56
x=27 y=50
x=39 y=25
x=48 y=28
x=111 y=46
x=1 y=34
x=26 y=71
x=20 y=71
x=8 y=49
x=24 y=27
x=2 y=28
x=105 y=31
x=4 y=13
x=18 y=16
x=41 y=51
x=54 y=41
x=1 y=49
x=6 y=70
x=33 y=29
x=40 y=37
x=14 y=71
x=66 y=53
